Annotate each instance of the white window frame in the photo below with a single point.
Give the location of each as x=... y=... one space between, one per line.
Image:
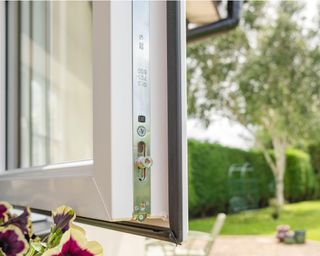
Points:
x=88 y=186
x=46 y=187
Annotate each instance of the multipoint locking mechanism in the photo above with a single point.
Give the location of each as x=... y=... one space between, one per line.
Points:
x=141 y=111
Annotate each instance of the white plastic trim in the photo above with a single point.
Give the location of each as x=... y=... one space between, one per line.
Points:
x=72 y=169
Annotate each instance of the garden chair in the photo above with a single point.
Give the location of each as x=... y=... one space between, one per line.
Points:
x=196 y=244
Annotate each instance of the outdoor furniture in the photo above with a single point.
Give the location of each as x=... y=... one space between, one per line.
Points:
x=196 y=244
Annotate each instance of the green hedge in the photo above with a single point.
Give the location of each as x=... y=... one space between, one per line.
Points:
x=208 y=169
x=314 y=151
x=193 y=198
x=208 y=176
x=300 y=178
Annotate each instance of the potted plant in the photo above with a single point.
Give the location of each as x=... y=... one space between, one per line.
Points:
x=65 y=238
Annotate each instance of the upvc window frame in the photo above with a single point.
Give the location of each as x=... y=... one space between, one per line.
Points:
x=87 y=186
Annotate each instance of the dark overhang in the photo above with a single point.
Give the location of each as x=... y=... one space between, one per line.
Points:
x=204 y=18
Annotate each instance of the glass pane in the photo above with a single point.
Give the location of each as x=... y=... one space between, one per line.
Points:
x=55 y=82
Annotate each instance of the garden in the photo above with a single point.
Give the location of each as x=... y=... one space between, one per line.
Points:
x=262 y=76
x=256 y=223
x=209 y=186
x=209 y=190
x=302 y=215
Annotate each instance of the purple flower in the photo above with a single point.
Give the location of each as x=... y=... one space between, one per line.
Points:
x=4 y=210
x=62 y=217
x=23 y=222
x=12 y=242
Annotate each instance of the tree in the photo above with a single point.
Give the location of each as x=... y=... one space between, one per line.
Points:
x=265 y=75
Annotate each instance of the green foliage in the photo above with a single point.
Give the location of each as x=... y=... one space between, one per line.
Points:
x=272 y=83
x=300 y=179
x=209 y=166
x=266 y=183
x=314 y=151
x=304 y=215
x=265 y=75
x=208 y=176
x=193 y=198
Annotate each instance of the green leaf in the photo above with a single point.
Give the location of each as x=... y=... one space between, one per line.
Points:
x=54 y=238
x=31 y=251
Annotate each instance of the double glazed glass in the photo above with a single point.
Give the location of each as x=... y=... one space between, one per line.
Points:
x=55 y=82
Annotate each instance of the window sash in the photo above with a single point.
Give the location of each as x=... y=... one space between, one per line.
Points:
x=88 y=186
x=98 y=175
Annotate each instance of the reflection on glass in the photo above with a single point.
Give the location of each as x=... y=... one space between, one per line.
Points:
x=55 y=82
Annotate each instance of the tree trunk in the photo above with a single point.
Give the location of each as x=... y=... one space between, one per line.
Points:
x=280 y=192
x=278 y=167
x=279 y=146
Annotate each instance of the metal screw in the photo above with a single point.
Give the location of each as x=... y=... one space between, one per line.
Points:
x=141 y=131
x=141 y=217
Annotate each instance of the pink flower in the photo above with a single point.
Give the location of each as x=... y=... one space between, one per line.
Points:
x=74 y=243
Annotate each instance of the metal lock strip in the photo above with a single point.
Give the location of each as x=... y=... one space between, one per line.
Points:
x=141 y=110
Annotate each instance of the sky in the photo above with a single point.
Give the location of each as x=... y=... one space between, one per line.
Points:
x=222 y=131
x=229 y=133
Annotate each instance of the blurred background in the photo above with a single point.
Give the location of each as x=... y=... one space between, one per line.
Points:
x=253 y=128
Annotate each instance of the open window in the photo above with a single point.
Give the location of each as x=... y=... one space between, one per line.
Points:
x=92 y=94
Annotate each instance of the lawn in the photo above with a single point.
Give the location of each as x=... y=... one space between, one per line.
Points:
x=304 y=215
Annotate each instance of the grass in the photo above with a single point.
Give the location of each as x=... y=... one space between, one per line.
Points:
x=304 y=215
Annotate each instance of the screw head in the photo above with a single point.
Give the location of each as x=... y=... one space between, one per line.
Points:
x=141 y=217
x=141 y=130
